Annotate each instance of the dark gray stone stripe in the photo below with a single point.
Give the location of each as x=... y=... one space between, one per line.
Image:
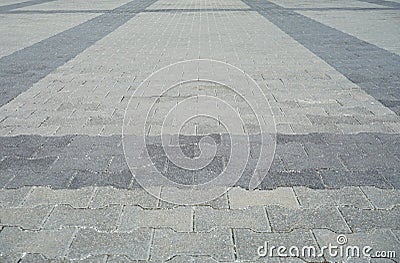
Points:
x=20 y=70
x=374 y=69
x=6 y=8
x=313 y=160
x=382 y=2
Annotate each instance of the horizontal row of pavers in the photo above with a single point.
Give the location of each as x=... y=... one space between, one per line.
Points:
x=222 y=244
x=316 y=161
x=280 y=210
x=364 y=197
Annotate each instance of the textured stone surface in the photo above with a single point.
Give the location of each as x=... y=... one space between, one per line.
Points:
x=44 y=196
x=382 y=199
x=347 y=196
x=90 y=242
x=207 y=218
x=14 y=197
x=216 y=243
x=102 y=219
x=241 y=198
x=26 y=218
x=51 y=244
x=179 y=219
x=360 y=220
x=285 y=220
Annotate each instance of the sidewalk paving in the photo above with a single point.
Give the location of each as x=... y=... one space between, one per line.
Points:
x=70 y=72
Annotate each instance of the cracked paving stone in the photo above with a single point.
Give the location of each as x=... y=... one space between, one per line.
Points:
x=347 y=196
x=133 y=244
x=361 y=220
x=179 y=219
x=78 y=198
x=26 y=218
x=242 y=198
x=109 y=195
x=283 y=220
x=103 y=219
x=14 y=241
x=13 y=197
x=382 y=198
x=207 y=218
x=378 y=240
x=249 y=243
x=216 y=243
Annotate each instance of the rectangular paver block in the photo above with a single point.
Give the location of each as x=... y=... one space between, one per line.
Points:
x=136 y=196
x=104 y=218
x=179 y=219
x=26 y=218
x=13 y=197
x=242 y=198
x=382 y=198
x=283 y=219
x=347 y=196
x=362 y=219
x=50 y=243
x=207 y=218
x=78 y=198
x=216 y=243
x=135 y=244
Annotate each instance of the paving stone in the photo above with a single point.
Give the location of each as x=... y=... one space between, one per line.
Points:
x=89 y=242
x=308 y=178
x=102 y=219
x=207 y=218
x=250 y=243
x=13 y=197
x=45 y=196
x=179 y=219
x=347 y=196
x=89 y=178
x=108 y=195
x=382 y=198
x=378 y=240
x=180 y=258
x=26 y=218
x=361 y=220
x=284 y=220
x=242 y=198
x=216 y=243
x=14 y=241
x=338 y=179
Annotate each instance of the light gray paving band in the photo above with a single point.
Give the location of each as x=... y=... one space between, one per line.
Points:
x=169 y=10
x=20 y=70
x=372 y=68
x=315 y=160
x=6 y=8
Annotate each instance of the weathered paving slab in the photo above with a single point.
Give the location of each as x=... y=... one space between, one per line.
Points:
x=382 y=199
x=26 y=218
x=207 y=218
x=14 y=241
x=285 y=220
x=241 y=198
x=102 y=219
x=362 y=219
x=347 y=196
x=178 y=219
x=13 y=197
x=45 y=196
x=217 y=243
x=89 y=242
